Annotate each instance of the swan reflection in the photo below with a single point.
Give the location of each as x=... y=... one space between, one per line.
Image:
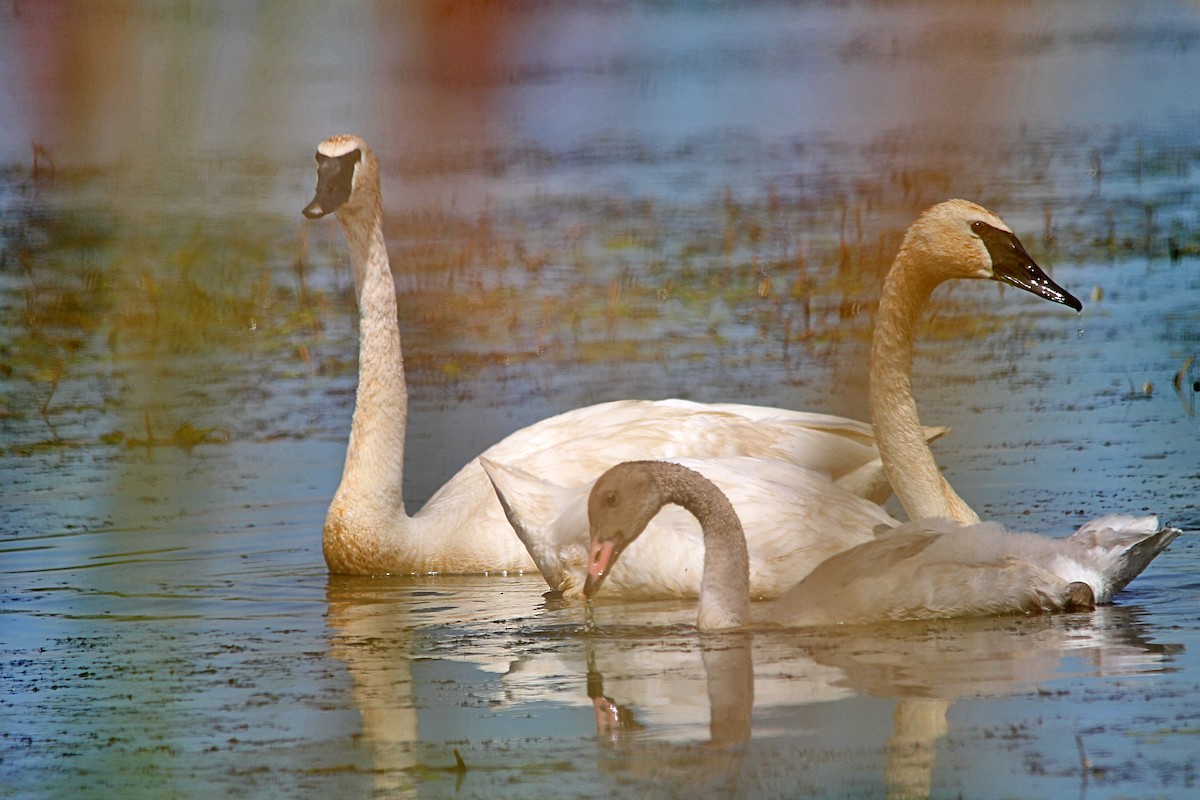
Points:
x=491 y=670
x=923 y=666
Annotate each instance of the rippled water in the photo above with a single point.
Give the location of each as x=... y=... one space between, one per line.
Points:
x=585 y=204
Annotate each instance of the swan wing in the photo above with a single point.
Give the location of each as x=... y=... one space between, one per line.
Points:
x=914 y=574
x=794 y=518
x=936 y=568
x=577 y=446
x=463 y=528
x=543 y=514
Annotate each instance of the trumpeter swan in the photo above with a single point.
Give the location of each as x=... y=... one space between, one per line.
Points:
x=462 y=528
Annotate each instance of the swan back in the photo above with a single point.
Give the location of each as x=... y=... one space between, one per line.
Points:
x=809 y=484
x=935 y=568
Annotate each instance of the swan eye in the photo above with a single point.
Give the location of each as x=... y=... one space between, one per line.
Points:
x=610 y=499
x=994 y=237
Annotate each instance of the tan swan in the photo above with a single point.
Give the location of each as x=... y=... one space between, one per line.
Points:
x=925 y=569
x=462 y=528
x=792 y=530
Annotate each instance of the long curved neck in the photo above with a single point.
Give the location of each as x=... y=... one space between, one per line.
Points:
x=374 y=470
x=725 y=587
x=907 y=459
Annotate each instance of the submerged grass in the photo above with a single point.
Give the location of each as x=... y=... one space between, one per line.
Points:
x=111 y=328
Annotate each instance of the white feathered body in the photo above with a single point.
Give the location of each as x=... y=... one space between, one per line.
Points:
x=462 y=529
x=795 y=518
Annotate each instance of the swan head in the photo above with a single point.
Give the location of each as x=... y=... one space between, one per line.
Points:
x=347 y=178
x=620 y=506
x=959 y=239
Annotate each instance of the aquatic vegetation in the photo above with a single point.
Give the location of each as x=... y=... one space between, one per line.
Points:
x=94 y=318
x=106 y=321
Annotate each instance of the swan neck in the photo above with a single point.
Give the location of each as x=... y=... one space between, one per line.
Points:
x=725 y=586
x=375 y=454
x=907 y=459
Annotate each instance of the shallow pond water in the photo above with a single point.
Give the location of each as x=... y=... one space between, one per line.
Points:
x=585 y=203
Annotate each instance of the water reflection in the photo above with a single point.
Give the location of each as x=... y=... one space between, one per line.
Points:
x=411 y=669
x=923 y=666
x=1187 y=384
x=669 y=707
x=927 y=666
x=711 y=768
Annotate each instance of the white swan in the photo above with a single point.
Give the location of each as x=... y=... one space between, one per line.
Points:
x=801 y=518
x=462 y=529
x=955 y=239
x=920 y=570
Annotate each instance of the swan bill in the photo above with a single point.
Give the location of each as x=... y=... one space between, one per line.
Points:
x=1013 y=265
x=602 y=555
x=335 y=181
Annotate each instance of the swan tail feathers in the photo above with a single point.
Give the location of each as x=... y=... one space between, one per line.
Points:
x=500 y=475
x=1127 y=544
x=1115 y=530
x=1139 y=556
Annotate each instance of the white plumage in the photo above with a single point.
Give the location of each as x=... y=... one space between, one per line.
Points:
x=800 y=518
x=462 y=529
